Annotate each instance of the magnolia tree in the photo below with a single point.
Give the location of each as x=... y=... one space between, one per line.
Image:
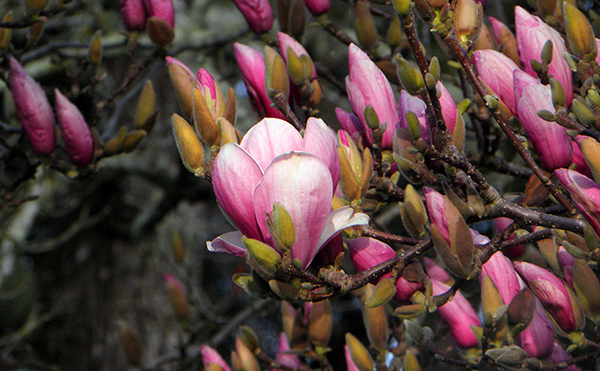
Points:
x=449 y=184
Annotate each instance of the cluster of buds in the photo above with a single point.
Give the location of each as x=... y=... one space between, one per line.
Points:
x=157 y=16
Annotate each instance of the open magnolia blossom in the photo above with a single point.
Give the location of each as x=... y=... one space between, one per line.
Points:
x=274 y=164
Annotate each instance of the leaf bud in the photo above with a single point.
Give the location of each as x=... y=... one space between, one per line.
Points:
x=281 y=227
x=145 y=115
x=414 y=126
x=246 y=282
x=204 y=120
x=409 y=75
x=320 y=322
x=132 y=139
x=582 y=41
x=546 y=115
x=584 y=114
x=249 y=338
x=402 y=6
x=411 y=363
x=359 y=354
x=375 y=320
x=160 y=31
x=510 y=357
x=414 y=216
x=276 y=77
x=115 y=145
x=587 y=289
x=546 y=53
x=384 y=292
x=558 y=93
x=371 y=118
x=96 y=49
x=263 y=254
x=285 y=291
x=365 y=25
x=435 y=69
x=243 y=358
x=410 y=311
x=227 y=133
x=188 y=144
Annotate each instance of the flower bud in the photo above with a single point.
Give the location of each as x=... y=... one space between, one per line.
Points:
x=284 y=355
x=177 y=295
x=145 y=115
x=204 y=117
x=414 y=216
x=532 y=36
x=317 y=7
x=161 y=9
x=368 y=252
x=579 y=33
x=159 y=31
x=258 y=14
x=276 y=77
x=33 y=109
x=375 y=320
x=585 y=193
x=134 y=14
x=467 y=18
x=590 y=150
x=355 y=171
x=358 y=354
x=410 y=76
x=556 y=298
x=319 y=321
x=183 y=81
x=451 y=235
x=365 y=25
x=496 y=71
x=587 y=288
x=505 y=39
x=212 y=357
x=76 y=134
x=243 y=358
x=459 y=315
x=189 y=146
x=436 y=272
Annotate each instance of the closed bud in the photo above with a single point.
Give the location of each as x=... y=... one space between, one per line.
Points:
x=395 y=36
x=414 y=216
x=134 y=14
x=582 y=41
x=76 y=134
x=285 y=291
x=414 y=126
x=249 y=338
x=375 y=320
x=547 y=50
x=230 y=111
x=263 y=254
x=245 y=359
x=177 y=295
x=384 y=292
x=410 y=311
x=258 y=14
x=281 y=227
x=468 y=18
x=402 y=6
x=160 y=32
x=276 y=76
x=359 y=354
x=130 y=343
x=188 y=144
x=510 y=357
x=584 y=114
x=204 y=119
x=317 y=7
x=590 y=149
x=212 y=360
x=115 y=145
x=145 y=115
x=505 y=39
x=183 y=81
x=320 y=322
x=365 y=25
x=161 y=9
x=558 y=93
x=132 y=139
x=585 y=193
x=409 y=75
x=178 y=247
x=371 y=118
x=227 y=133
x=484 y=40
x=33 y=109
x=435 y=69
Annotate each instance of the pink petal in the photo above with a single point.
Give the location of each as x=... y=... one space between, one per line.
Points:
x=302 y=184
x=320 y=140
x=235 y=176
x=270 y=138
x=228 y=243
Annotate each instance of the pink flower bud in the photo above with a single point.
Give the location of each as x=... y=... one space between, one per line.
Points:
x=513 y=252
x=366 y=252
x=549 y=139
x=258 y=14
x=76 y=134
x=436 y=272
x=33 y=109
x=555 y=297
x=496 y=70
x=205 y=79
x=211 y=356
x=317 y=7
x=368 y=86
x=350 y=365
x=252 y=66
x=532 y=34
x=566 y=261
x=502 y=273
x=449 y=109
x=134 y=14
x=436 y=208
x=350 y=123
x=162 y=9
x=459 y=315
x=585 y=193
x=284 y=357
x=537 y=339
x=410 y=103
x=581 y=165
x=559 y=355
